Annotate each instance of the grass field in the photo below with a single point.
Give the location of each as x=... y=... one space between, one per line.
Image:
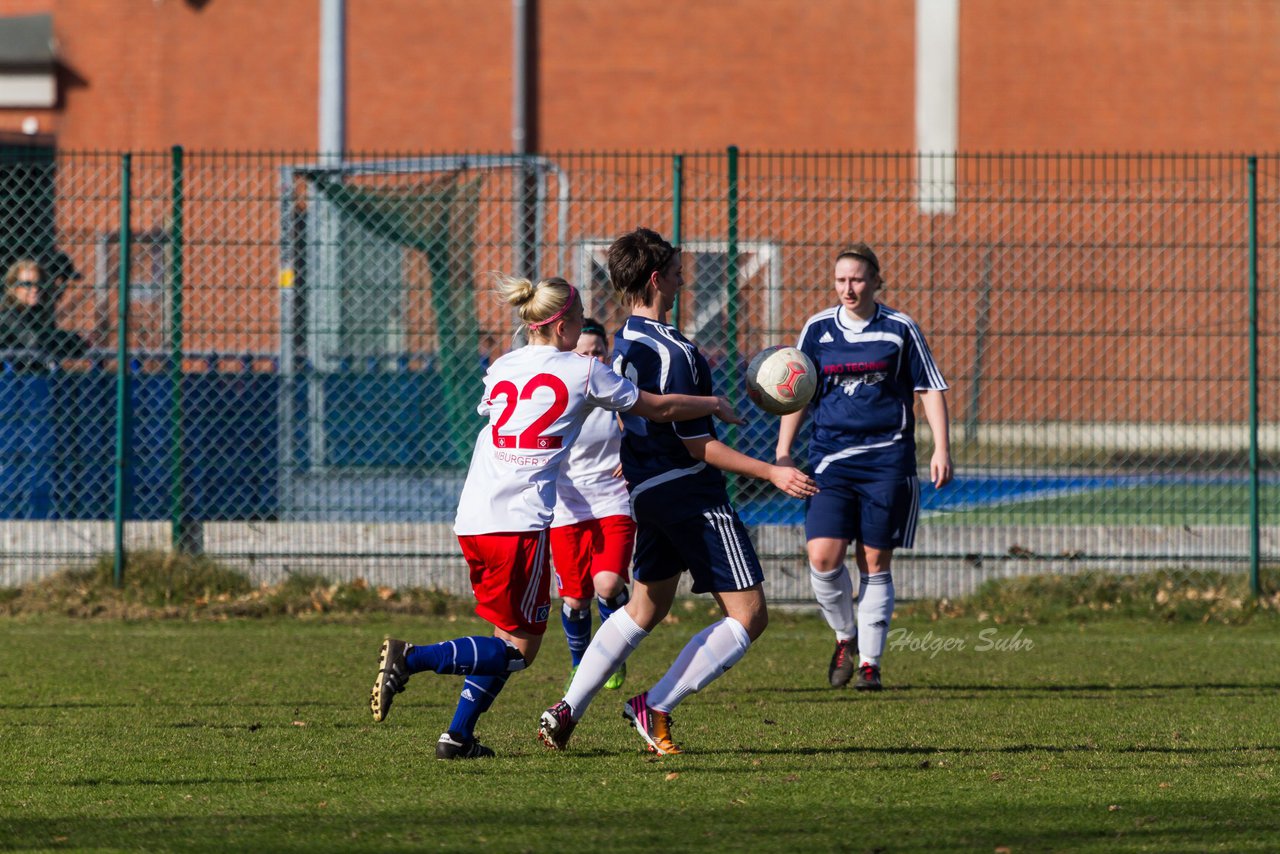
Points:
x=1118 y=735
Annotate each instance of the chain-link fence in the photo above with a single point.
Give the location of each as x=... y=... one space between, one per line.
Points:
x=282 y=367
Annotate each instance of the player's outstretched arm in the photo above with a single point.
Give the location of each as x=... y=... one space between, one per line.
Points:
x=683 y=407
x=788 y=479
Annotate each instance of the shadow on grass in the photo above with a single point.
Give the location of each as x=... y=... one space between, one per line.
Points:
x=1152 y=824
x=1232 y=689
x=306 y=704
x=108 y=782
x=931 y=750
x=1259 y=687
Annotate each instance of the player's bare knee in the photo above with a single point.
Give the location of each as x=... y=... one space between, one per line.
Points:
x=826 y=554
x=522 y=649
x=646 y=613
x=611 y=588
x=752 y=613
x=755 y=624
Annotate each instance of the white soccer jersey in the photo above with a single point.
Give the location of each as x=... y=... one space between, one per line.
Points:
x=587 y=488
x=536 y=399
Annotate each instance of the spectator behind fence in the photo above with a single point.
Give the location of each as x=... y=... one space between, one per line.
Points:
x=29 y=335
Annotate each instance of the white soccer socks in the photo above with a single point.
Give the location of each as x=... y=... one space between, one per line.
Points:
x=834 y=592
x=613 y=642
x=704 y=658
x=875 y=609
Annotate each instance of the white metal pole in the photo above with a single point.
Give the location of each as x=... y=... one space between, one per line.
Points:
x=333 y=78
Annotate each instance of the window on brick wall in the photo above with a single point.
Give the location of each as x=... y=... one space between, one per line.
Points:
x=27 y=70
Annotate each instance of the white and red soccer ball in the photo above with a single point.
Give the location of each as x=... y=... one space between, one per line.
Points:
x=781 y=380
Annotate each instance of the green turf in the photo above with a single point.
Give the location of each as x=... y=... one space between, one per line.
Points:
x=1200 y=504
x=255 y=735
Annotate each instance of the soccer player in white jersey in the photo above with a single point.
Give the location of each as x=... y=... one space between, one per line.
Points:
x=535 y=400
x=681 y=505
x=593 y=534
x=871 y=361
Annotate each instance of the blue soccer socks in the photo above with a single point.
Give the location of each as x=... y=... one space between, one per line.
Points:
x=478 y=694
x=466 y=656
x=608 y=606
x=577 y=630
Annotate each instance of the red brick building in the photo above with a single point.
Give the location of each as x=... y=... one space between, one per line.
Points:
x=889 y=76
x=436 y=75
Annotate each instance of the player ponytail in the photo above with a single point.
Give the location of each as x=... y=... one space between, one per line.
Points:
x=538 y=305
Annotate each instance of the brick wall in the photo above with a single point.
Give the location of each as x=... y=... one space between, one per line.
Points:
x=690 y=75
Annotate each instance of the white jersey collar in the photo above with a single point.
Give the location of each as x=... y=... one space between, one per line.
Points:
x=849 y=321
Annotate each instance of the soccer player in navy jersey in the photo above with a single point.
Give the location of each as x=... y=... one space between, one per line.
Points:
x=683 y=517
x=871 y=361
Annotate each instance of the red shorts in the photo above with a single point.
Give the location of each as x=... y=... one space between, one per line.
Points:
x=511 y=578
x=584 y=549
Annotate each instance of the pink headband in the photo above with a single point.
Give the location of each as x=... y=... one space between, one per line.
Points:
x=573 y=295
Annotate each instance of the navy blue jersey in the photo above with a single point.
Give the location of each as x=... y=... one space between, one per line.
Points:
x=666 y=483
x=863 y=411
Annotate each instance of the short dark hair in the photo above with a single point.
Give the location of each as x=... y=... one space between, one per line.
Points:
x=633 y=258
x=591 y=326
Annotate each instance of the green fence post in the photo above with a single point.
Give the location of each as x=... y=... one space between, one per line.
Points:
x=1255 y=520
x=677 y=201
x=179 y=535
x=122 y=370
x=731 y=299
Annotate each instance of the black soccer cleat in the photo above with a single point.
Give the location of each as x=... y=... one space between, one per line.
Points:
x=842 y=663
x=393 y=673
x=868 y=678
x=451 y=746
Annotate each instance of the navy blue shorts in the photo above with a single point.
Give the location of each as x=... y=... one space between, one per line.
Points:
x=877 y=513
x=713 y=547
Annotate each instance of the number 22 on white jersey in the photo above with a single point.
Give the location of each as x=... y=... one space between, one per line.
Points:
x=532 y=437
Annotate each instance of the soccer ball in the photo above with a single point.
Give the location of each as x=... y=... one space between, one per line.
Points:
x=781 y=380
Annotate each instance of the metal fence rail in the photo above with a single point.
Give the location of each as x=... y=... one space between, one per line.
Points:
x=282 y=368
